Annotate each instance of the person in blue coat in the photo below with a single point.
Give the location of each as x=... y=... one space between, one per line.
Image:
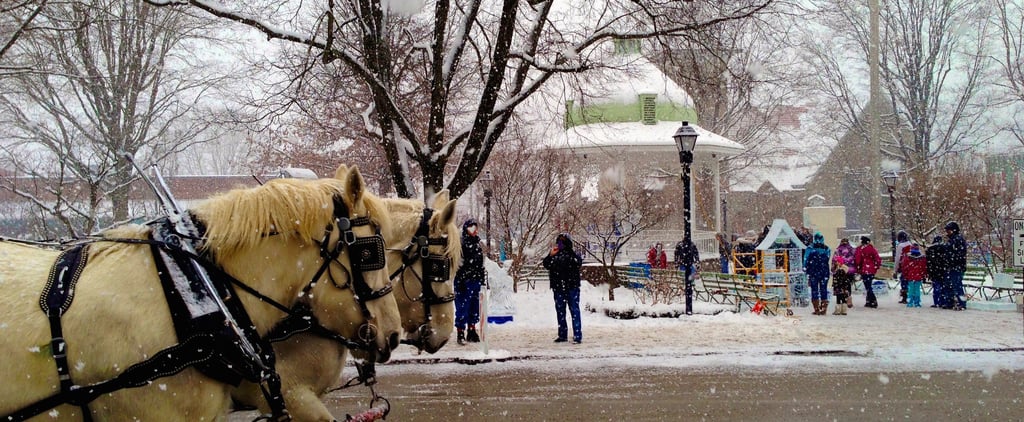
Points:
x=816 y=265
x=563 y=265
x=468 y=280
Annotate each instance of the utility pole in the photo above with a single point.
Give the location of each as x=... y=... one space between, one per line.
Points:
x=874 y=123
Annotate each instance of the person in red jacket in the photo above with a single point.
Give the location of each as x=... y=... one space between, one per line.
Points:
x=656 y=256
x=867 y=262
x=914 y=267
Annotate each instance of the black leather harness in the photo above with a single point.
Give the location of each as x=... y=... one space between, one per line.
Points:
x=204 y=342
x=436 y=269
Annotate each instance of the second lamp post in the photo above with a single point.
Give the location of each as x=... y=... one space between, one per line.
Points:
x=487 y=180
x=890 y=178
x=686 y=139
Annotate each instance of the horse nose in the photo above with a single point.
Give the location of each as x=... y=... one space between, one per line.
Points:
x=393 y=340
x=430 y=348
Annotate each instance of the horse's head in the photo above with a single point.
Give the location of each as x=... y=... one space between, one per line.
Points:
x=426 y=246
x=310 y=241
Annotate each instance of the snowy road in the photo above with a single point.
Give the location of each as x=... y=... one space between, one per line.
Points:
x=873 y=364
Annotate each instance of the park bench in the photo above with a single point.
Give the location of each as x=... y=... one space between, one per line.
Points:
x=974 y=282
x=738 y=290
x=529 y=275
x=1004 y=286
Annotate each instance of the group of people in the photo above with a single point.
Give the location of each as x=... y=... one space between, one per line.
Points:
x=943 y=262
x=685 y=254
x=563 y=264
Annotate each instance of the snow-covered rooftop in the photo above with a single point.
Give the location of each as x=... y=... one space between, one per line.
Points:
x=602 y=135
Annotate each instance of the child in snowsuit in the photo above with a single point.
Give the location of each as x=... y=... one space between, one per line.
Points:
x=914 y=267
x=842 y=280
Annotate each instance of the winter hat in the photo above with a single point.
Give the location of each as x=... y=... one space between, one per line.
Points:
x=915 y=251
x=864 y=240
x=564 y=241
x=937 y=240
x=953 y=226
x=819 y=238
x=902 y=236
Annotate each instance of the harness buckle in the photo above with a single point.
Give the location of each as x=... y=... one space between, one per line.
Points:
x=424 y=245
x=58 y=348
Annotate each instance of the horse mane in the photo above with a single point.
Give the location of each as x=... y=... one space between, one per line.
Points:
x=290 y=208
x=406 y=215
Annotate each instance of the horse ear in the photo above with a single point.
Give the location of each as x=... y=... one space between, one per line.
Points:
x=441 y=199
x=448 y=213
x=340 y=172
x=355 y=186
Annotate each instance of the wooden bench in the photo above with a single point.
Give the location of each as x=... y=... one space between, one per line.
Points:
x=739 y=290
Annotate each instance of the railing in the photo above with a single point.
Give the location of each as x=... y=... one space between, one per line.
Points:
x=636 y=249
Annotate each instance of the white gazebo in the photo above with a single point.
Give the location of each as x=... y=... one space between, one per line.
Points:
x=624 y=117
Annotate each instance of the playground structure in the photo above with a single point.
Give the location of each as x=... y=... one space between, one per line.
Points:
x=777 y=264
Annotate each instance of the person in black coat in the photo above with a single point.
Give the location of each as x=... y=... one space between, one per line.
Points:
x=938 y=269
x=957 y=265
x=468 y=280
x=563 y=265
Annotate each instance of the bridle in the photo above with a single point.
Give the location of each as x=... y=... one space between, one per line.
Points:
x=436 y=268
x=366 y=254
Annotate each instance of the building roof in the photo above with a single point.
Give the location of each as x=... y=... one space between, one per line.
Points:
x=627 y=77
x=636 y=134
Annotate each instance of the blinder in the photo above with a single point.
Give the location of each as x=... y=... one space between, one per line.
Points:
x=368 y=253
x=436 y=268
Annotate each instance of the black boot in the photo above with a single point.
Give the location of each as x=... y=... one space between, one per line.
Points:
x=471 y=335
x=903 y=296
x=461 y=337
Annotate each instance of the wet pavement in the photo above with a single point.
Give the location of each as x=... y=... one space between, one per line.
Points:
x=514 y=392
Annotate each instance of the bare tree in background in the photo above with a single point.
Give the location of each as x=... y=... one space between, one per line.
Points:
x=501 y=52
x=16 y=18
x=739 y=78
x=1010 y=23
x=111 y=77
x=932 y=68
x=602 y=227
x=316 y=119
x=531 y=183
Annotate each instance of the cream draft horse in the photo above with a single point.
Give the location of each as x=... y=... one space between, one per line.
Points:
x=268 y=238
x=311 y=365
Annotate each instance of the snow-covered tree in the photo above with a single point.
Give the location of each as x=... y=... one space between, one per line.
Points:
x=108 y=79
x=932 y=67
x=1010 y=57
x=478 y=62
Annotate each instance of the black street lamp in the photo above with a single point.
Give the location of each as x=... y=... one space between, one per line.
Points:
x=890 y=178
x=487 y=179
x=686 y=139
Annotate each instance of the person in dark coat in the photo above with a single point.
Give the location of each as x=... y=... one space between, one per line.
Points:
x=563 y=265
x=724 y=251
x=746 y=254
x=938 y=269
x=468 y=280
x=957 y=264
x=816 y=265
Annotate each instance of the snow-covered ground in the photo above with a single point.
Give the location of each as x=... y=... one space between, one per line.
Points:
x=890 y=338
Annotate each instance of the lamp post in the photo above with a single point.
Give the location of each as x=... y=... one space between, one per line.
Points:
x=686 y=138
x=487 y=179
x=890 y=178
